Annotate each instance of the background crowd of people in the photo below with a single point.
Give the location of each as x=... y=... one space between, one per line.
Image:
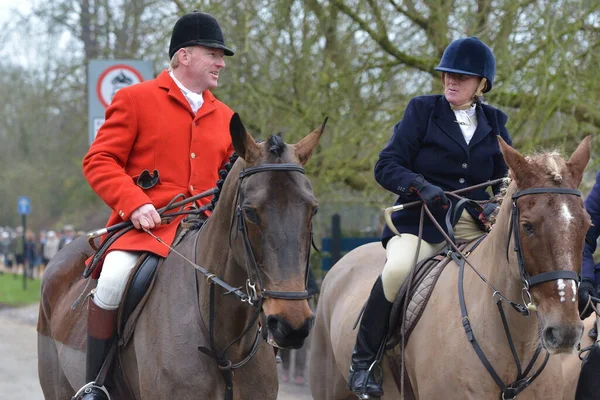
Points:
x=31 y=250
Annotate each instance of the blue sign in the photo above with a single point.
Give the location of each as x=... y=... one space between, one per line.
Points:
x=23 y=205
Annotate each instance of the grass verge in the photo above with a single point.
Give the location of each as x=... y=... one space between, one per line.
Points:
x=12 y=293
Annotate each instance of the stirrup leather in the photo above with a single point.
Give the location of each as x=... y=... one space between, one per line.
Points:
x=87 y=389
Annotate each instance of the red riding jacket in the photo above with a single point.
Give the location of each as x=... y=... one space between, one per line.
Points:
x=151 y=126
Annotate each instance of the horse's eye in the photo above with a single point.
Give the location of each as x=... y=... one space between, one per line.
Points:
x=315 y=211
x=528 y=228
x=251 y=215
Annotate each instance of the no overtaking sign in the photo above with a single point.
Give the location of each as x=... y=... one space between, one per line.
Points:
x=105 y=78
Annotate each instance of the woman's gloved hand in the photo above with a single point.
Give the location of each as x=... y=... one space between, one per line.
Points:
x=432 y=195
x=488 y=215
x=587 y=288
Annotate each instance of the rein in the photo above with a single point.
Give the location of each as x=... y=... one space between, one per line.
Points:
x=511 y=390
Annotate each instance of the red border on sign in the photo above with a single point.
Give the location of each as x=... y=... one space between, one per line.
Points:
x=113 y=67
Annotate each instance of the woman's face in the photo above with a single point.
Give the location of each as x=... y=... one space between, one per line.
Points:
x=459 y=89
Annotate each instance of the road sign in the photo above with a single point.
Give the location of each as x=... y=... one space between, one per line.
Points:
x=107 y=77
x=114 y=78
x=23 y=205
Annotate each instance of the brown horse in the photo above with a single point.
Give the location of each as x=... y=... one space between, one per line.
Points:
x=257 y=238
x=441 y=362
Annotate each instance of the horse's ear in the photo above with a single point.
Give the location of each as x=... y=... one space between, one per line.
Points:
x=244 y=144
x=305 y=147
x=521 y=170
x=579 y=160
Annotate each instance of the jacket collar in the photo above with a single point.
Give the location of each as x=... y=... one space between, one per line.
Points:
x=166 y=82
x=445 y=119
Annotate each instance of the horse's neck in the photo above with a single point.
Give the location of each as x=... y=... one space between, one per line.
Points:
x=215 y=253
x=490 y=259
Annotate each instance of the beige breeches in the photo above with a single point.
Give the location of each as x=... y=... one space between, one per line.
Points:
x=400 y=252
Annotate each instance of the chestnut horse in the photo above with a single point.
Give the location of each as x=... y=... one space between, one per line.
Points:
x=548 y=227
x=257 y=240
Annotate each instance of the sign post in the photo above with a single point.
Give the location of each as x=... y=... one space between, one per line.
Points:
x=24 y=208
x=105 y=78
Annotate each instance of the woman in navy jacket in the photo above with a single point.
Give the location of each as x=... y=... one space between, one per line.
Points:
x=443 y=143
x=590 y=272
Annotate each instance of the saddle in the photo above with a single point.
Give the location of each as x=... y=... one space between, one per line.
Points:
x=414 y=295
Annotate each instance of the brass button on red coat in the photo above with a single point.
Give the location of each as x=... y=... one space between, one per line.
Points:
x=193 y=155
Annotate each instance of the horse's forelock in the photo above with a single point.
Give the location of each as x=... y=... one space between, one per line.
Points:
x=551 y=163
x=276 y=145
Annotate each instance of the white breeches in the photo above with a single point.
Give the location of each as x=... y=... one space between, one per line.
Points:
x=114 y=276
x=400 y=252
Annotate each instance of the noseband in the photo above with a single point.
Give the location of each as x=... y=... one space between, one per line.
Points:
x=254 y=274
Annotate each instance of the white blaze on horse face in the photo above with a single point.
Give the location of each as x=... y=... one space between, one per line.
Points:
x=561 y=289
x=566 y=214
x=565 y=256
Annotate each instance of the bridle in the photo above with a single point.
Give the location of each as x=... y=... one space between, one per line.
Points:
x=255 y=294
x=522 y=381
x=253 y=269
x=528 y=280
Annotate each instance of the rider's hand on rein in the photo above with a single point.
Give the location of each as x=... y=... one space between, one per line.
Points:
x=146 y=217
x=430 y=194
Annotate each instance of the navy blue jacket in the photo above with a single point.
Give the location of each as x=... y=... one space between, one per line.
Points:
x=429 y=141
x=592 y=205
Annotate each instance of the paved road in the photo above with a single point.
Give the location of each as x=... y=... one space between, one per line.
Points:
x=18 y=369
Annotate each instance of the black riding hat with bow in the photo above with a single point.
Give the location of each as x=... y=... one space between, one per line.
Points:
x=197 y=29
x=469 y=56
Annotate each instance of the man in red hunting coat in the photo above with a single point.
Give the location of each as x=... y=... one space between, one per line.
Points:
x=162 y=137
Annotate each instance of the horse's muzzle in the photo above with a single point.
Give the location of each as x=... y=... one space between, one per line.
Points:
x=281 y=332
x=562 y=338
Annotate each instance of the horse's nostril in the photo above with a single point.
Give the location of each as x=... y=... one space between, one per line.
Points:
x=272 y=323
x=550 y=335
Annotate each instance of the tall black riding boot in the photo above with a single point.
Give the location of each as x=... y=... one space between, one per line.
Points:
x=588 y=385
x=101 y=332
x=365 y=374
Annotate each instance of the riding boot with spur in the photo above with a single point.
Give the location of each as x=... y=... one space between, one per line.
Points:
x=101 y=332
x=365 y=374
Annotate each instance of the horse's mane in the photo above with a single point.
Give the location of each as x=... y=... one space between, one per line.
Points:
x=276 y=147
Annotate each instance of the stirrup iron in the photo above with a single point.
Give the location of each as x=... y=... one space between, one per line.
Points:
x=87 y=389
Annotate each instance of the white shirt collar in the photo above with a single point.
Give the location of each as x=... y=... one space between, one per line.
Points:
x=194 y=99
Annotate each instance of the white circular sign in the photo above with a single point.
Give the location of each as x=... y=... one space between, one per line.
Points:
x=115 y=78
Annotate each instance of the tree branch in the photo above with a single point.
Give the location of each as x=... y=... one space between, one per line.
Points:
x=384 y=42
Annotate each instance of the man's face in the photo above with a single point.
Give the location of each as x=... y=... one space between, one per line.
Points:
x=204 y=64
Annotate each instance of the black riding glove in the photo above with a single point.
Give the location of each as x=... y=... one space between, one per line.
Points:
x=488 y=215
x=587 y=288
x=432 y=195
